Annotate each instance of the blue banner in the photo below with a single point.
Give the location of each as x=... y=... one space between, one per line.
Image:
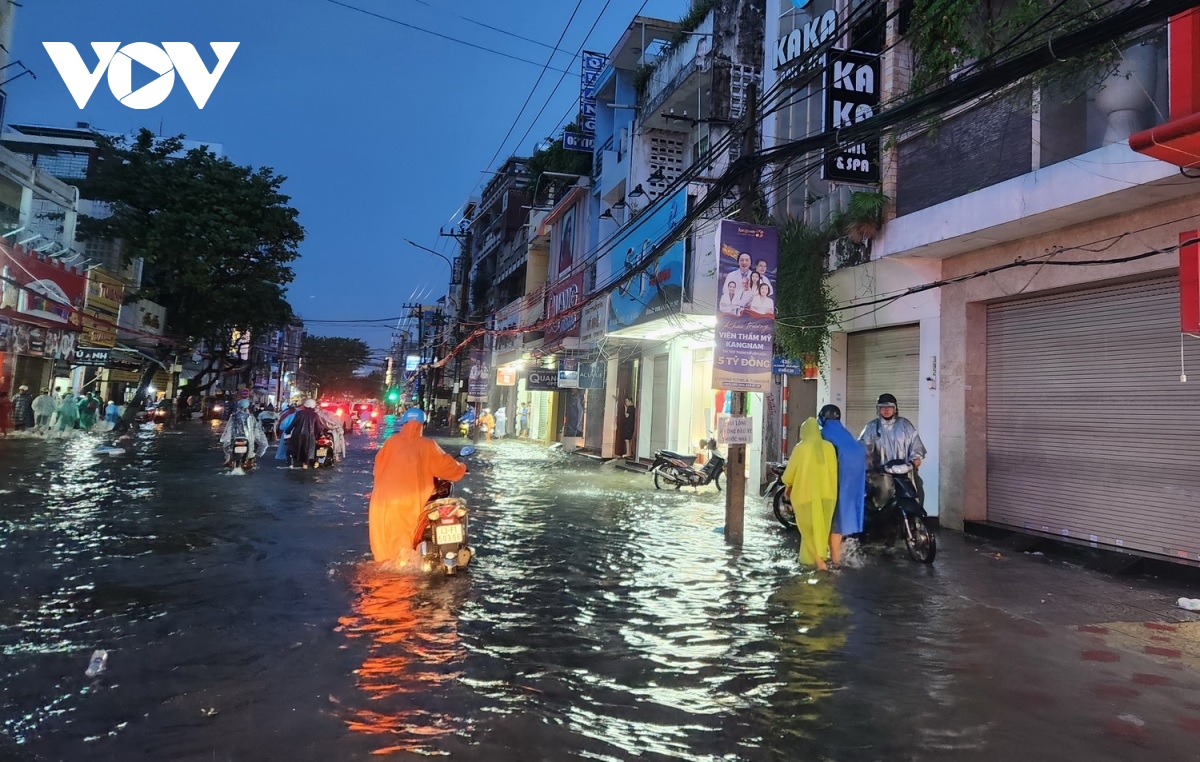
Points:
x=658 y=289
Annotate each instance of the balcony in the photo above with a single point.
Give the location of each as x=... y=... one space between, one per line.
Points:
x=675 y=83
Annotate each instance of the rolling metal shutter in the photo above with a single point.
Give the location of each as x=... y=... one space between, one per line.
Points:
x=1090 y=433
x=659 y=399
x=887 y=360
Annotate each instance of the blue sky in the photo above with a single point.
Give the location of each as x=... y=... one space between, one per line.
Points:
x=382 y=131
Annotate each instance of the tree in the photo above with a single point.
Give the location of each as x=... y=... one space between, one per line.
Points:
x=217 y=238
x=332 y=362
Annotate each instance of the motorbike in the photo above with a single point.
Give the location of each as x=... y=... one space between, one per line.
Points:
x=324 y=454
x=775 y=490
x=678 y=470
x=444 y=528
x=899 y=510
x=240 y=455
x=895 y=509
x=268 y=425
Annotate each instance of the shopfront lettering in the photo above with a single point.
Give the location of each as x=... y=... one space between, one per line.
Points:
x=804 y=40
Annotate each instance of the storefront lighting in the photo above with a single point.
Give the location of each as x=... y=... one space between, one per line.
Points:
x=606 y=214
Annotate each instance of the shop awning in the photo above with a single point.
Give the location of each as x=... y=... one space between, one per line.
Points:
x=1176 y=142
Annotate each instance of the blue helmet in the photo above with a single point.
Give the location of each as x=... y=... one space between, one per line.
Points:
x=244 y=404
x=413 y=414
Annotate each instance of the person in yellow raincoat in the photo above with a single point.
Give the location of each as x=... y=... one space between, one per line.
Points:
x=811 y=479
x=404 y=472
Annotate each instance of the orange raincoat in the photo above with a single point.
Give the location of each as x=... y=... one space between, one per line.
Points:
x=404 y=472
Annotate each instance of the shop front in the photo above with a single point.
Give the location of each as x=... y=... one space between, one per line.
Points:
x=41 y=314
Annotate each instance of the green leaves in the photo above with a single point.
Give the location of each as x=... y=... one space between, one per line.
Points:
x=807 y=307
x=217 y=238
x=332 y=362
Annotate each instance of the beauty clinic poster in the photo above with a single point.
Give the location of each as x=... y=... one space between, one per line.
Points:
x=748 y=266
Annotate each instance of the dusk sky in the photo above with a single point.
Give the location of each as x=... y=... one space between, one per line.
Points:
x=382 y=130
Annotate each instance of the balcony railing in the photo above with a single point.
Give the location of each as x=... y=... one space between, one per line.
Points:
x=673 y=67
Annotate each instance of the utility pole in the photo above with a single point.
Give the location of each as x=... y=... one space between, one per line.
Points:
x=466 y=236
x=735 y=467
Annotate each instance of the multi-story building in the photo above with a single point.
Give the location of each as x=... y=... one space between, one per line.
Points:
x=1041 y=358
x=667 y=104
x=43 y=285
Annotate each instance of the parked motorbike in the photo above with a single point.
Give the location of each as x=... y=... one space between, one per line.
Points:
x=678 y=470
x=444 y=528
x=779 y=502
x=324 y=455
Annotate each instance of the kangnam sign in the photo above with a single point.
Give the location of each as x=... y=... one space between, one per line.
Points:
x=118 y=61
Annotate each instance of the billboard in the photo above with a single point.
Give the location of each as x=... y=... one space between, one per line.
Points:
x=658 y=289
x=563 y=296
x=747 y=267
x=102 y=309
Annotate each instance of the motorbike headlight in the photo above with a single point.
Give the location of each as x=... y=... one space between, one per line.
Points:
x=432 y=516
x=899 y=469
x=460 y=512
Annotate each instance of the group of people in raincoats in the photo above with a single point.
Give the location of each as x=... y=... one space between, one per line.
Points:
x=59 y=412
x=299 y=427
x=827 y=476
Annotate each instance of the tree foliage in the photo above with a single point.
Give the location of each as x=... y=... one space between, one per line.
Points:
x=217 y=238
x=332 y=362
x=808 y=306
x=554 y=158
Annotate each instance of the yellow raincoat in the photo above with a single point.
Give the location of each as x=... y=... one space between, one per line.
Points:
x=811 y=473
x=404 y=471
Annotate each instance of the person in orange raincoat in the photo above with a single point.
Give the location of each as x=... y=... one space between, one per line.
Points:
x=404 y=472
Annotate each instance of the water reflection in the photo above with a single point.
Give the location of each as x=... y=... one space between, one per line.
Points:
x=409 y=624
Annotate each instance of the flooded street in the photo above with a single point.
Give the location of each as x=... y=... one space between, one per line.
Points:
x=601 y=620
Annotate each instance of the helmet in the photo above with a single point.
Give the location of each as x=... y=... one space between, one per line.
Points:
x=243 y=404
x=413 y=414
x=829 y=413
x=886 y=400
x=310 y=403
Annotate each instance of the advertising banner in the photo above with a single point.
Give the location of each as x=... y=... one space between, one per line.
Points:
x=567 y=242
x=592 y=65
x=658 y=289
x=563 y=296
x=102 y=309
x=40 y=292
x=591 y=375
x=542 y=380
x=594 y=321
x=747 y=269
x=506 y=376
x=568 y=373
x=479 y=376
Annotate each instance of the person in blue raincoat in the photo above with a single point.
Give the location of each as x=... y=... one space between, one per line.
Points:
x=852 y=479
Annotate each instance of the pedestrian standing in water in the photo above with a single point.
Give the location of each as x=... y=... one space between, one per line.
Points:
x=501 y=423
x=811 y=477
x=852 y=479
x=487 y=423
x=112 y=413
x=22 y=409
x=629 y=426
x=68 y=412
x=43 y=410
x=523 y=420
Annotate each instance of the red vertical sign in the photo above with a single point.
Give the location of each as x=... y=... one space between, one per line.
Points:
x=1189 y=282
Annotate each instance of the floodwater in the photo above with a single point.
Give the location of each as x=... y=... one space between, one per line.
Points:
x=601 y=620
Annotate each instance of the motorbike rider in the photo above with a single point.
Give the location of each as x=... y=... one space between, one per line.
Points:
x=891 y=437
x=405 y=469
x=304 y=428
x=243 y=424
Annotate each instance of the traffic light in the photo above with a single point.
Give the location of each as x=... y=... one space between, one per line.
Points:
x=393 y=395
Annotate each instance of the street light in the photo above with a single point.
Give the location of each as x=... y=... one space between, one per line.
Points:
x=431 y=251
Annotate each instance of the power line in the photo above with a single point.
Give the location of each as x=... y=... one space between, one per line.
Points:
x=532 y=90
x=491 y=27
x=450 y=38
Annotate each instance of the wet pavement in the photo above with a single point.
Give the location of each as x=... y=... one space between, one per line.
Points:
x=601 y=620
